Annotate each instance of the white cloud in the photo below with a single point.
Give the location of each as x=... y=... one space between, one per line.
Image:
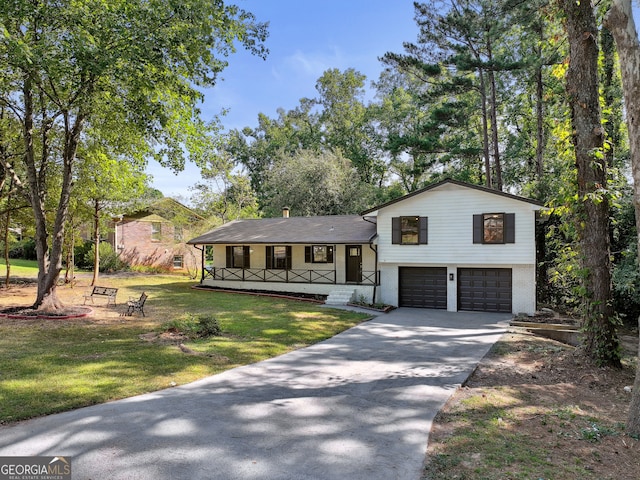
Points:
x=313 y=64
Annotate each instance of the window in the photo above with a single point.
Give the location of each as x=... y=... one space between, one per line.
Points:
x=494 y=228
x=238 y=256
x=318 y=254
x=409 y=230
x=178 y=261
x=208 y=254
x=177 y=233
x=156 y=231
x=278 y=257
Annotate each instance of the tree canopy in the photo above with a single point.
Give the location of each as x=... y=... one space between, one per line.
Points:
x=69 y=67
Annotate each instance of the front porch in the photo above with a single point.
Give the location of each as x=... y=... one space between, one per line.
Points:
x=314 y=282
x=371 y=278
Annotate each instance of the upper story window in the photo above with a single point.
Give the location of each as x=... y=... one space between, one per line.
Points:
x=178 y=233
x=318 y=254
x=494 y=228
x=156 y=231
x=409 y=230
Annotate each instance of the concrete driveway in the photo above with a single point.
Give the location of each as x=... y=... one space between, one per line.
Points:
x=357 y=406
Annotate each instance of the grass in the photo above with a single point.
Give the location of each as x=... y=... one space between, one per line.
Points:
x=488 y=444
x=19 y=268
x=49 y=366
x=535 y=410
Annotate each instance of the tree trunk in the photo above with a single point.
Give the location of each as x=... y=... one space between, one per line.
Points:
x=620 y=22
x=540 y=136
x=610 y=94
x=7 y=219
x=493 y=115
x=485 y=130
x=601 y=341
x=36 y=193
x=541 y=238
x=49 y=257
x=96 y=236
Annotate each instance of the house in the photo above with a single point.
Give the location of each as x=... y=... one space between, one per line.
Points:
x=155 y=236
x=450 y=245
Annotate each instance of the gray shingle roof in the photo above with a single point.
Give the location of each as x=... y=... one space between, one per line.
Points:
x=454 y=182
x=337 y=229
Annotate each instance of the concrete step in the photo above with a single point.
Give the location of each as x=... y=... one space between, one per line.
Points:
x=340 y=296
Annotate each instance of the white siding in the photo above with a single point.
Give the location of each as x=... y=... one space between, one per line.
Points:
x=523 y=285
x=450 y=209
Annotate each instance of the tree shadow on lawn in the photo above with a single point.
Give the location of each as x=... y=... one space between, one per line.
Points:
x=357 y=406
x=74 y=363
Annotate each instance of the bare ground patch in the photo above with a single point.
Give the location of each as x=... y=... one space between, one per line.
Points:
x=537 y=409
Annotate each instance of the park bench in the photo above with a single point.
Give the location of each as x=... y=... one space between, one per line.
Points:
x=108 y=292
x=134 y=305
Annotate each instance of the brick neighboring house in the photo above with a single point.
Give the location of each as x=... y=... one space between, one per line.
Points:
x=156 y=236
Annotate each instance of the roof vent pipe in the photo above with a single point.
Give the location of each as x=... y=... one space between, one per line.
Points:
x=285 y=212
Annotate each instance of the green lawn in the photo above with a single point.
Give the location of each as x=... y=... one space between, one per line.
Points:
x=19 y=268
x=49 y=366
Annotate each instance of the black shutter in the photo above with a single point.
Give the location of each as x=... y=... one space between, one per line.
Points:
x=269 y=257
x=246 y=261
x=307 y=254
x=229 y=256
x=288 y=256
x=396 y=232
x=509 y=228
x=423 y=232
x=329 y=254
x=478 y=228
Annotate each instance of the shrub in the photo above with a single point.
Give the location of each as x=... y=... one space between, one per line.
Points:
x=80 y=255
x=208 y=326
x=158 y=269
x=626 y=287
x=194 y=326
x=24 y=249
x=109 y=260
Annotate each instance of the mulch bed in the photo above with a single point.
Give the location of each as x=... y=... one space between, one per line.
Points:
x=31 y=313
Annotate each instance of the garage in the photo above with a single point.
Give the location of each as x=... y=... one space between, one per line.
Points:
x=423 y=287
x=484 y=289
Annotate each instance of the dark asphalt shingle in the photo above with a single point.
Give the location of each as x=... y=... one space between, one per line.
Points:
x=338 y=229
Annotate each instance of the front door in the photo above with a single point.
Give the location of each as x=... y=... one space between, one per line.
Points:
x=354 y=263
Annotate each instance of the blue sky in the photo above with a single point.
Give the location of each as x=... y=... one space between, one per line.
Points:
x=307 y=37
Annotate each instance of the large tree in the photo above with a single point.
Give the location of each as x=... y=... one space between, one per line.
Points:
x=66 y=65
x=103 y=184
x=346 y=122
x=462 y=51
x=621 y=24
x=601 y=341
x=311 y=183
